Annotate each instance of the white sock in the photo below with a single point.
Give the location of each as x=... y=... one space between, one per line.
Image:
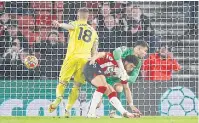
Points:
x=94 y=102
x=117 y=104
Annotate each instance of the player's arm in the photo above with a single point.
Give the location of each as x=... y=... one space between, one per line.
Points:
x=129 y=97
x=134 y=74
x=98 y=55
x=69 y=26
x=95 y=47
x=117 y=53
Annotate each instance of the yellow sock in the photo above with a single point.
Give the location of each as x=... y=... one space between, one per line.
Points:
x=59 y=94
x=72 y=97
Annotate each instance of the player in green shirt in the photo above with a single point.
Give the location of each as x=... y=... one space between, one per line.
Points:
x=140 y=50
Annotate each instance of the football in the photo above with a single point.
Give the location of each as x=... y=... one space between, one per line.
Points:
x=31 y=62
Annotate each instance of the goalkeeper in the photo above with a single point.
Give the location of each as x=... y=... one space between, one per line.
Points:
x=140 y=50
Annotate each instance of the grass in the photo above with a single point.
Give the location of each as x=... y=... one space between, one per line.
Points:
x=151 y=119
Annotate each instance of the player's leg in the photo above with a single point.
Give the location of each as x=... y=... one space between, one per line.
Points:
x=73 y=96
x=112 y=95
x=79 y=79
x=94 y=75
x=118 y=88
x=66 y=72
x=100 y=83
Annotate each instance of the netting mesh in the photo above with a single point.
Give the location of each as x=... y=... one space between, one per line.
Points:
x=26 y=28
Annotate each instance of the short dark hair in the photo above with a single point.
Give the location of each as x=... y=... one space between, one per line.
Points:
x=84 y=9
x=51 y=33
x=132 y=59
x=142 y=44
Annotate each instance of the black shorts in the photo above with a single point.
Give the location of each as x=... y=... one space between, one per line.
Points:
x=91 y=71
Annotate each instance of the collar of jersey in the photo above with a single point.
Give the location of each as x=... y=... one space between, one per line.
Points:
x=82 y=21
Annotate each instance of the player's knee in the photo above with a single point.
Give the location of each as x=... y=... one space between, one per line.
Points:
x=118 y=88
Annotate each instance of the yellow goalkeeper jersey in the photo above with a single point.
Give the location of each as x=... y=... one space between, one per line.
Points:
x=81 y=40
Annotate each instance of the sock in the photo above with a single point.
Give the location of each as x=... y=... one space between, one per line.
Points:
x=59 y=94
x=116 y=103
x=97 y=95
x=74 y=94
x=118 y=96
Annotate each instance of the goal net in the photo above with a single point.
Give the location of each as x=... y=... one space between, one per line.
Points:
x=26 y=28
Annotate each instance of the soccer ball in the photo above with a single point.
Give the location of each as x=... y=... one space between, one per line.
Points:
x=31 y=62
x=179 y=101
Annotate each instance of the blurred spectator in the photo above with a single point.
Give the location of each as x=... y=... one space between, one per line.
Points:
x=13 y=52
x=4 y=44
x=191 y=16
x=4 y=19
x=105 y=10
x=137 y=26
x=20 y=71
x=10 y=57
x=147 y=33
x=19 y=7
x=109 y=34
x=131 y=22
x=92 y=20
x=13 y=32
x=1 y=7
x=51 y=53
x=159 y=66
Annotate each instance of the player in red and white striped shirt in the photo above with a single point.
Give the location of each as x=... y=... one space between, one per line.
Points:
x=96 y=71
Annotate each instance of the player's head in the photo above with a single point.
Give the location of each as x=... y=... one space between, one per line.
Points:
x=130 y=62
x=83 y=13
x=141 y=48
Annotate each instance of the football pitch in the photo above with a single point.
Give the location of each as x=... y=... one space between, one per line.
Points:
x=147 y=119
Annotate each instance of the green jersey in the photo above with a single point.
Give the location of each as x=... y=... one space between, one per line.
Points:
x=119 y=53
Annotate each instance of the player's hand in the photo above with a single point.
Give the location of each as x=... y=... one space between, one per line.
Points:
x=92 y=61
x=124 y=76
x=117 y=72
x=136 y=110
x=56 y=23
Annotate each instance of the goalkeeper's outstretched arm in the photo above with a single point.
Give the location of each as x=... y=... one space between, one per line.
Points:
x=117 y=53
x=63 y=25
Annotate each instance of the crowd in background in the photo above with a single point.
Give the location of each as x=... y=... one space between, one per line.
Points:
x=117 y=23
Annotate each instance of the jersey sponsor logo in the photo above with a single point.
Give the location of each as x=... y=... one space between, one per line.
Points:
x=109 y=70
x=106 y=64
